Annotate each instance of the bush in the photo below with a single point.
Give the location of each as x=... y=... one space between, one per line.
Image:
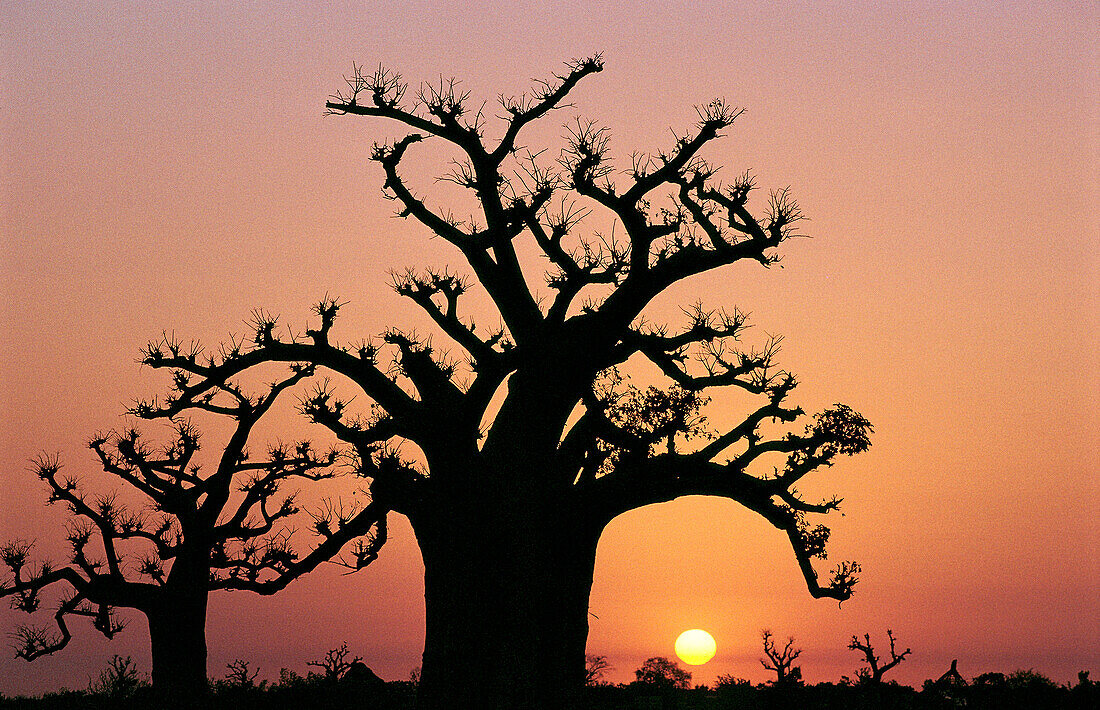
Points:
x=119 y=680
x=660 y=672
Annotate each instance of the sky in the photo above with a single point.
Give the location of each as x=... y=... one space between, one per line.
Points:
x=167 y=167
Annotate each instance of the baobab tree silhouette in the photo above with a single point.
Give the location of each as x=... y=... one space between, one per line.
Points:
x=508 y=501
x=200 y=528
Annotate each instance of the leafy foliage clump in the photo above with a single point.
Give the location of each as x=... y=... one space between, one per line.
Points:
x=662 y=674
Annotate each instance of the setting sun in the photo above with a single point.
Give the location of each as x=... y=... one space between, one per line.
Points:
x=695 y=647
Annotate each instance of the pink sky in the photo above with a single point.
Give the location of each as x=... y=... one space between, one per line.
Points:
x=170 y=168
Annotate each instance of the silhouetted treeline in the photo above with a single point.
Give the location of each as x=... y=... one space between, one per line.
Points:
x=341 y=684
x=122 y=687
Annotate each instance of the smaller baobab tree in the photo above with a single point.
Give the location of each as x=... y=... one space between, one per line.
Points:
x=875 y=668
x=201 y=528
x=781 y=661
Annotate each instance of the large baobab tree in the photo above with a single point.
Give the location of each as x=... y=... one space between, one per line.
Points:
x=511 y=492
x=199 y=527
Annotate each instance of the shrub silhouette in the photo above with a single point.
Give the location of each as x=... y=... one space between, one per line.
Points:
x=663 y=674
x=120 y=680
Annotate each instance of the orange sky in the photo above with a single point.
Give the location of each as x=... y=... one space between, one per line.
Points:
x=171 y=169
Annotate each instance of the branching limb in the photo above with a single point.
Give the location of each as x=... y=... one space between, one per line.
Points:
x=103 y=512
x=247 y=569
x=35 y=641
x=382 y=94
x=708 y=333
x=128 y=459
x=424 y=289
x=629 y=424
x=283 y=463
x=586 y=160
x=25 y=590
x=491 y=356
x=432 y=377
x=214 y=372
x=502 y=278
x=704 y=326
x=683 y=255
x=668 y=476
x=547 y=97
x=713 y=118
x=217 y=487
x=389 y=157
x=323 y=406
x=266 y=565
x=594 y=261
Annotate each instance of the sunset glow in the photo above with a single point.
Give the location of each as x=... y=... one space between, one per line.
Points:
x=168 y=170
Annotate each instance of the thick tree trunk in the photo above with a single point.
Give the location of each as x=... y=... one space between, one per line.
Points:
x=507 y=610
x=177 y=632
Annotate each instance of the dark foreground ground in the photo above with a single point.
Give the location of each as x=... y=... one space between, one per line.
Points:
x=1022 y=690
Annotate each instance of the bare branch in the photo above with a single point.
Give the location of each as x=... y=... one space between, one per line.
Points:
x=214 y=374
x=423 y=290
x=385 y=91
x=548 y=97
x=287 y=567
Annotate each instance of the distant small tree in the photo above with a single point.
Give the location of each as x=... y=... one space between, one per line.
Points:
x=1087 y=692
x=992 y=679
x=874 y=671
x=594 y=669
x=335 y=662
x=660 y=672
x=780 y=661
x=239 y=675
x=200 y=528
